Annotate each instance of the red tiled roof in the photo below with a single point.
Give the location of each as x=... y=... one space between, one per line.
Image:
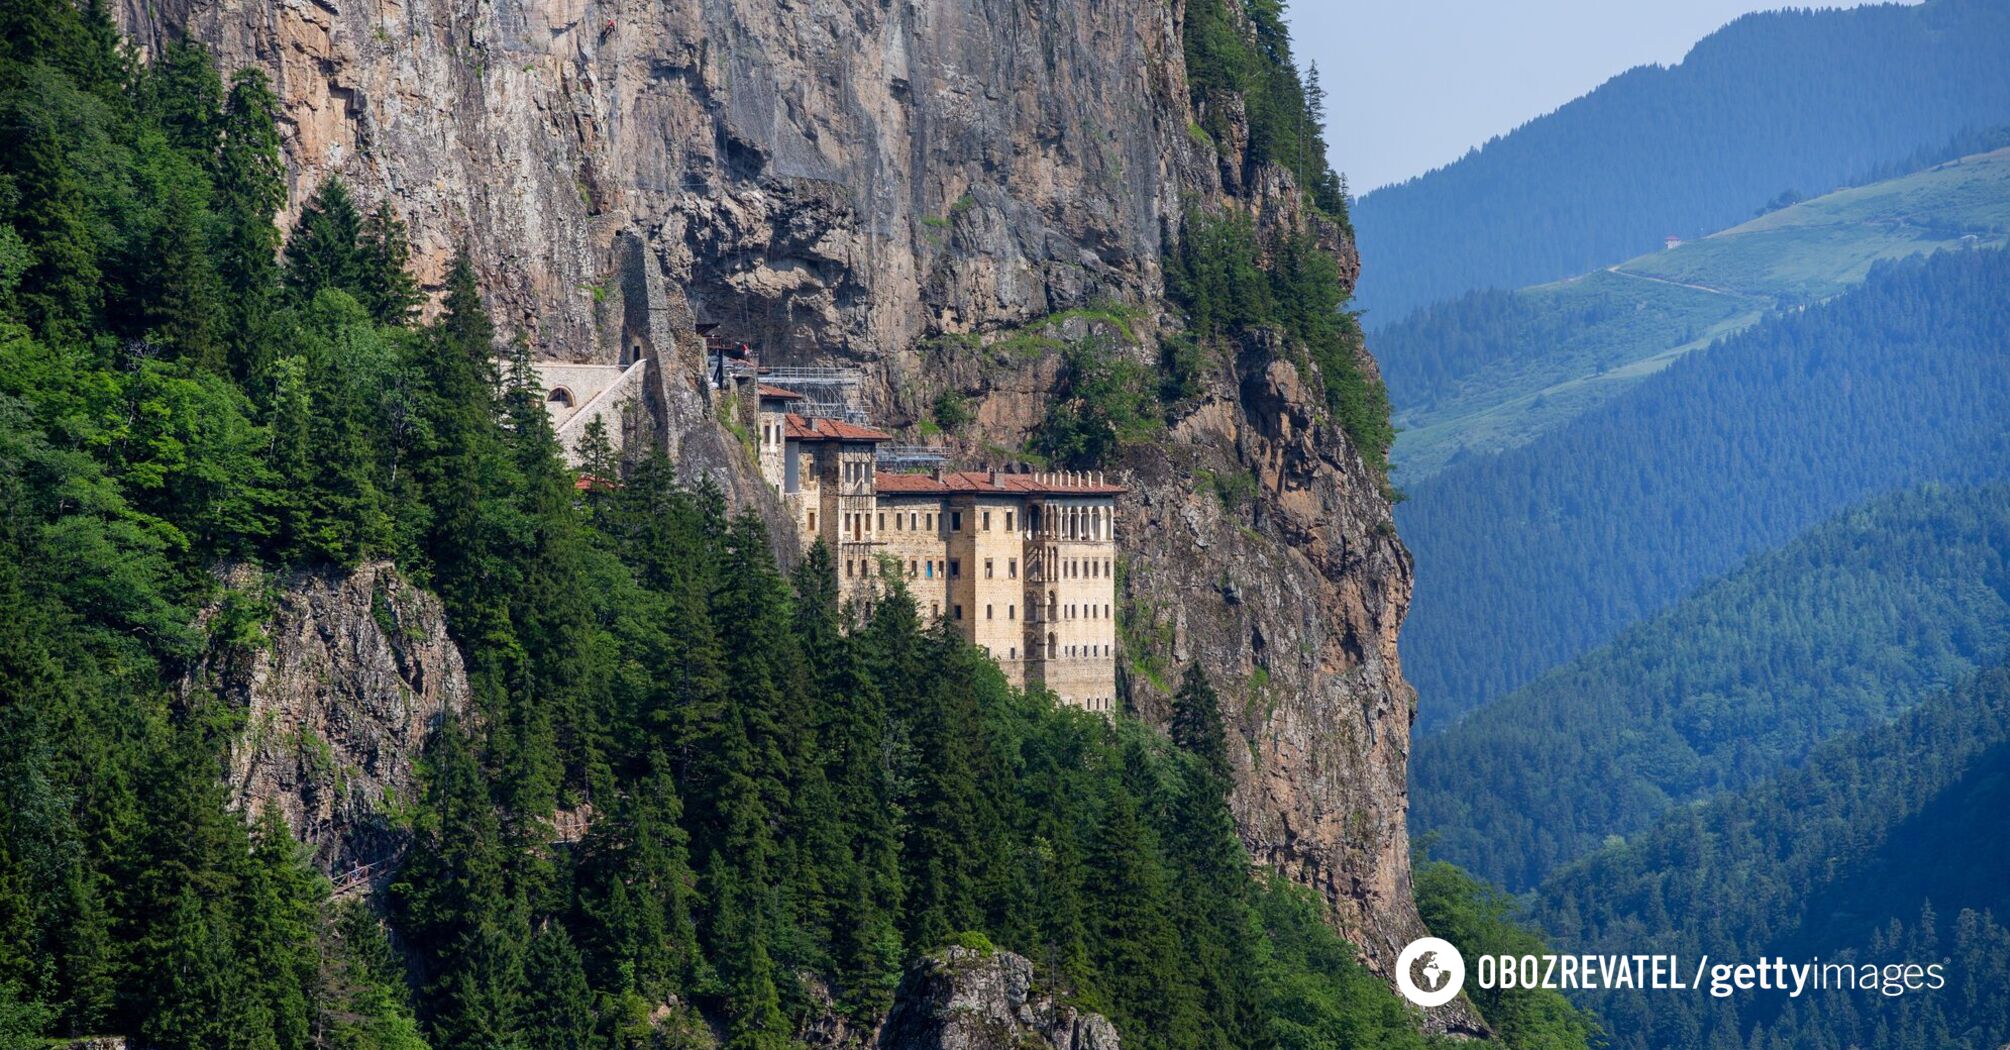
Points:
x=894 y=484
x=1068 y=484
x=778 y=393
x=799 y=428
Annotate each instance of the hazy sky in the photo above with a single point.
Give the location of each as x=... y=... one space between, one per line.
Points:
x=1411 y=84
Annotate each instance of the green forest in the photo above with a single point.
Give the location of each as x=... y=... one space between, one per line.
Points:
x=1796 y=100
x=1532 y=557
x=1845 y=627
x=1827 y=861
x=792 y=799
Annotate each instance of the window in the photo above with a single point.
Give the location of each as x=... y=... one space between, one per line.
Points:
x=1011 y=612
x=955 y=569
x=987 y=568
x=1106 y=610
x=987 y=521
x=1008 y=521
x=847 y=568
x=1106 y=566
x=1012 y=653
x=955 y=521
x=813 y=521
x=935 y=609
x=1012 y=568
x=882 y=521
x=959 y=612
x=912 y=518
x=1053 y=645
x=913 y=568
x=561 y=397
x=987 y=612
x=931 y=568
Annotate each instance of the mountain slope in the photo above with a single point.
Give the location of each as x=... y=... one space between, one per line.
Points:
x=1530 y=557
x=1786 y=100
x=1493 y=370
x=1846 y=626
x=1882 y=850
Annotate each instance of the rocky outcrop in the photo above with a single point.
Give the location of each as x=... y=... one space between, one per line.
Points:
x=350 y=673
x=965 y=999
x=895 y=184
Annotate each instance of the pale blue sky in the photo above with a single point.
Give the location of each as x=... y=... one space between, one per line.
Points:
x=1411 y=84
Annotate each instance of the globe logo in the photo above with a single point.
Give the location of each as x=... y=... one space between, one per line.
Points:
x=1430 y=972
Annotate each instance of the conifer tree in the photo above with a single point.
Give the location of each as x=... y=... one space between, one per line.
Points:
x=465 y=920
x=558 y=1009
x=184 y=98
x=386 y=286
x=182 y=296
x=59 y=292
x=250 y=189
x=1196 y=724
x=323 y=250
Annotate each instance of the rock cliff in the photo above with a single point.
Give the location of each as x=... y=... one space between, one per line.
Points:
x=964 y=999
x=350 y=674
x=896 y=184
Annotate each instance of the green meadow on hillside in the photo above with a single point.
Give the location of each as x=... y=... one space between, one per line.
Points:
x=1493 y=370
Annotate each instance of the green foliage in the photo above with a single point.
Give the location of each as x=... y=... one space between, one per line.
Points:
x=1107 y=401
x=1823 y=861
x=1481 y=920
x=1845 y=627
x=951 y=411
x=1492 y=369
x=1234 y=290
x=1534 y=556
x=1802 y=97
x=1238 y=60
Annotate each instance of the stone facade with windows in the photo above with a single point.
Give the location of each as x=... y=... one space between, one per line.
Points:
x=1020 y=563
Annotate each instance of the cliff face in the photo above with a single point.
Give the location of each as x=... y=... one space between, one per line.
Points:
x=353 y=672
x=963 y=999
x=856 y=180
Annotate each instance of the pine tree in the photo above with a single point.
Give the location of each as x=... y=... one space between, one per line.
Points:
x=59 y=292
x=183 y=296
x=863 y=874
x=323 y=250
x=184 y=98
x=1196 y=723
x=1136 y=948
x=250 y=189
x=465 y=921
x=558 y=1009
x=386 y=286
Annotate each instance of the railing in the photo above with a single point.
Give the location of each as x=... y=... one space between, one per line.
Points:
x=910 y=455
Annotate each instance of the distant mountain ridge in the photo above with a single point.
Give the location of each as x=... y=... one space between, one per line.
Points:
x=1528 y=558
x=1846 y=626
x=1884 y=848
x=1797 y=100
x=1492 y=370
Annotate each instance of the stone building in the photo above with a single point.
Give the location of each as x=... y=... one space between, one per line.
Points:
x=577 y=394
x=1022 y=564
x=1018 y=562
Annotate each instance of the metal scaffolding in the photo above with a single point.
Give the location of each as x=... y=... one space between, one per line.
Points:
x=828 y=392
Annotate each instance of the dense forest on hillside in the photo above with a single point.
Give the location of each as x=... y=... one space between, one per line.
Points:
x=1884 y=849
x=1531 y=557
x=787 y=802
x=1491 y=370
x=1844 y=627
x=1800 y=100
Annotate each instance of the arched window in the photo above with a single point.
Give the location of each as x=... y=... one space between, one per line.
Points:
x=559 y=396
x=1053 y=645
